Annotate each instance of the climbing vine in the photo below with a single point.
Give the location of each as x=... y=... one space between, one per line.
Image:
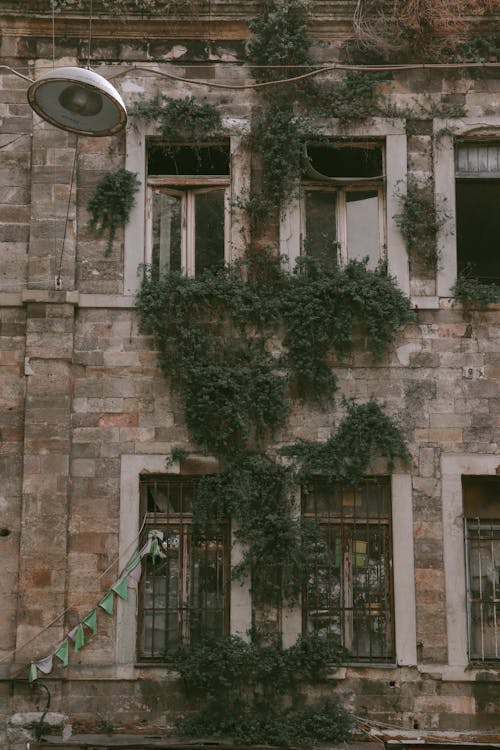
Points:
x=471 y=292
x=112 y=202
x=250 y=691
x=185 y=119
x=216 y=336
x=419 y=220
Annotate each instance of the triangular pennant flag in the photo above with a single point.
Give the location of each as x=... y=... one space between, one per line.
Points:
x=33 y=674
x=133 y=563
x=107 y=603
x=63 y=652
x=45 y=665
x=91 y=621
x=78 y=636
x=120 y=588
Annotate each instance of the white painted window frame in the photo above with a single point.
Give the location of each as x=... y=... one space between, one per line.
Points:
x=393 y=132
x=446 y=132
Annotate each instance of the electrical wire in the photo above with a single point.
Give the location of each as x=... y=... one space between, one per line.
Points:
x=58 y=277
x=302 y=76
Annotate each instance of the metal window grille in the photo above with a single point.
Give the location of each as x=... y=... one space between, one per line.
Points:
x=184 y=593
x=349 y=597
x=482 y=540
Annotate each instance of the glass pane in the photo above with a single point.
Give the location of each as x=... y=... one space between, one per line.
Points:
x=209 y=230
x=321 y=227
x=363 y=236
x=166 y=252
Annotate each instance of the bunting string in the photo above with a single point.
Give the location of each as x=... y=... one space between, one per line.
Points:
x=132 y=570
x=78 y=634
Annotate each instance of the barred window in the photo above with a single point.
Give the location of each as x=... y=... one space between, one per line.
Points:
x=482 y=546
x=349 y=596
x=184 y=593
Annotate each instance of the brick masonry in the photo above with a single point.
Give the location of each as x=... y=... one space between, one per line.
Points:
x=80 y=387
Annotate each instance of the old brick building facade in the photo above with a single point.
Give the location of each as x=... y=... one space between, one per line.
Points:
x=87 y=416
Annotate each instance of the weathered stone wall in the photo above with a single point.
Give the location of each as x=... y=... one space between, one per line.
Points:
x=90 y=392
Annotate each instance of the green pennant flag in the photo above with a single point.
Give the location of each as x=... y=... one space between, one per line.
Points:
x=79 y=637
x=33 y=673
x=120 y=588
x=62 y=652
x=107 y=603
x=133 y=563
x=91 y=621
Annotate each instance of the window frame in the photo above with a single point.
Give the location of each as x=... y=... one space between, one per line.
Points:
x=342 y=243
x=391 y=133
x=180 y=522
x=187 y=187
x=349 y=526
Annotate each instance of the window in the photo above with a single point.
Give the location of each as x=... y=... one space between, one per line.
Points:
x=342 y=216
x=349 y=596
x=477 y=170
x=184 y=593
x=187 y=207
x=482 y=546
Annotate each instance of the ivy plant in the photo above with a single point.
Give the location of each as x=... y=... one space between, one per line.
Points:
x=419 y=221
x=471 y=292
x=179 y=119
x=244 y=688
x=112 y=202
x=215 y=338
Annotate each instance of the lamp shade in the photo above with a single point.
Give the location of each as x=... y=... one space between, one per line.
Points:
x=78 y=100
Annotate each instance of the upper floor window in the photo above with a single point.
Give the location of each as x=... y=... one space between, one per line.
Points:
x=477 y=171
x=349 y=597
x=342 y=203
x=482 y=545
x=187 y=210
x=184 y=592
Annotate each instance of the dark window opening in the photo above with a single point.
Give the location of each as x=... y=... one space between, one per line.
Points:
x=477 y=168
x=478 y=228
x=338 y=160
x=171 y=159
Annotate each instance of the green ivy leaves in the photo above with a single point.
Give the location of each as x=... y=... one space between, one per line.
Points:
x=112 y=202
